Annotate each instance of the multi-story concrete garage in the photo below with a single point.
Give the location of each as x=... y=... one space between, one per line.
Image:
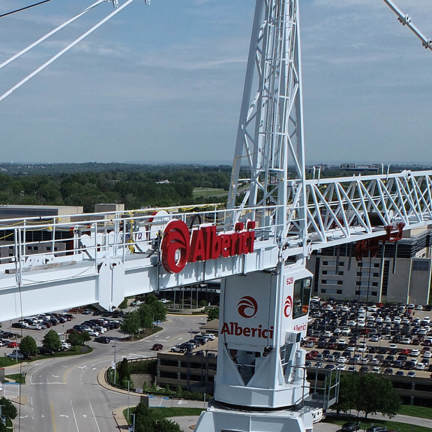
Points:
x=397 y=272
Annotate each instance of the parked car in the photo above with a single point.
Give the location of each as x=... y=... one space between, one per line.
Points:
x=350 y=427
x=103 y=339
x=157 y=347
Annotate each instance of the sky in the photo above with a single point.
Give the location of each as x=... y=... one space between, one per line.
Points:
x=163 y=83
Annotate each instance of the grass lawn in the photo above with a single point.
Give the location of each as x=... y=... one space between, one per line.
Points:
x=416 y=411
x=18 y=378
x=202 y=192
x=168 y=412
x=6 y=361
x=399 y=427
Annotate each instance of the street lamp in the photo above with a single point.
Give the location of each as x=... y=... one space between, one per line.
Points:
x=115 y=364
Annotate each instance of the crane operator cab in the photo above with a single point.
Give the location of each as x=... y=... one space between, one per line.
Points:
x=263 y=318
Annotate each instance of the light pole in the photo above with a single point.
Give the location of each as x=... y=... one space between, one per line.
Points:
x=128 y=415
x=115 y=364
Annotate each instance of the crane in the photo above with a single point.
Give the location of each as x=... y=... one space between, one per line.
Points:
x=258 y=245
x=405 y=20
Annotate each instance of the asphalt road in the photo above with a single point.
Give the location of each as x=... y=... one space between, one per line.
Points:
x=63 y=394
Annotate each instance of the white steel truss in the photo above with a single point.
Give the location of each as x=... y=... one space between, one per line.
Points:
x=270 y=144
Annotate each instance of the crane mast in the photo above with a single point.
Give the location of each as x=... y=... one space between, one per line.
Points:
x=270 y=137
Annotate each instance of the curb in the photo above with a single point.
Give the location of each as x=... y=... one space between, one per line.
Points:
x=120 y=419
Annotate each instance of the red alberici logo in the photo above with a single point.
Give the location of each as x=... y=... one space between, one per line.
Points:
x=288 y=306
x=247 y=307
x=180 y=246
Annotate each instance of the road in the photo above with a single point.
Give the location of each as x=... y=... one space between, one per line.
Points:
x=63 y=394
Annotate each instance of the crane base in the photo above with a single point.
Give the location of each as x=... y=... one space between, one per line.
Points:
x=220 y=419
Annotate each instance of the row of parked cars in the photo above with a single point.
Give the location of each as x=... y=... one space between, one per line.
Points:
x=43 y=321
x=97 y=326
x=353 y=334
x=189 y=346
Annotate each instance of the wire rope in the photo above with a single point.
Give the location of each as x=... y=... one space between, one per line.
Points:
x=63 y=51
x=49 y=34
x=23 y=8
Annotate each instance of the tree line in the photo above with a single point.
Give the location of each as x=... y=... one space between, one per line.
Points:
x=136 y=188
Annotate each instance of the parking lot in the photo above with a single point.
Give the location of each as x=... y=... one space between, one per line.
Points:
x=95 y=323
x=351 y=336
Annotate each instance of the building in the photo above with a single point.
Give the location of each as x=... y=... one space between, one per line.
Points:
x=29 y=211
x=400 y=272
x=194 y=371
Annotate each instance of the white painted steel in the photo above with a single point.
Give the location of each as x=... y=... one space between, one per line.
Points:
x=49 y=34
x=405 y=20
x=64 y=50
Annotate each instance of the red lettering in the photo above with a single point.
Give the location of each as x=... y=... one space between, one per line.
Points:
x=225 y=329
x=197 y=252
x=238 y=330
x=250 y=241
x=271 y=332
x=209 y=233
x=254 y=331
x=234 y=244
x=180 y=247
x=246 y=331
x=265 y=333
x=216 y=246
x=226 y=245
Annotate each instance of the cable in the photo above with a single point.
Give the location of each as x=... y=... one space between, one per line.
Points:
x=49 y=34
x=63 y=51
x=24 y=8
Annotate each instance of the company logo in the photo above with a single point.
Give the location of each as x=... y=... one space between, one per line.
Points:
x=247 y=307
x=300 y=327
x=288 y=306
x=234 y=329
x=180 y=246
x=290 y=281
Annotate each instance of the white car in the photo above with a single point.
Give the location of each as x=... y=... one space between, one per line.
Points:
x=93 y=333
x=397 y=320
x=420 y=366
x=379 y=320
x=405 y=340
x=427 y=355
x=419 y=307
x=410 y=306
x=342 y=359
x=414 y=353
x=374 y=339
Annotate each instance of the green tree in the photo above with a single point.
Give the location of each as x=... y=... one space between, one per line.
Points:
x=8 y=408
x=123 y=370
x=131 y=323
x=212 y=313
x=159 y=311
x=376 y=395
x=349 y=387
x=123 y=304
x=3 y=428
x=28 y=346
x=51 y=341
x=78 y=338
x=165 y=425
x=146 y=314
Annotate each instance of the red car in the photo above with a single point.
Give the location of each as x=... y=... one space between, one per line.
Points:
x=12 y=345
x=157 y=347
